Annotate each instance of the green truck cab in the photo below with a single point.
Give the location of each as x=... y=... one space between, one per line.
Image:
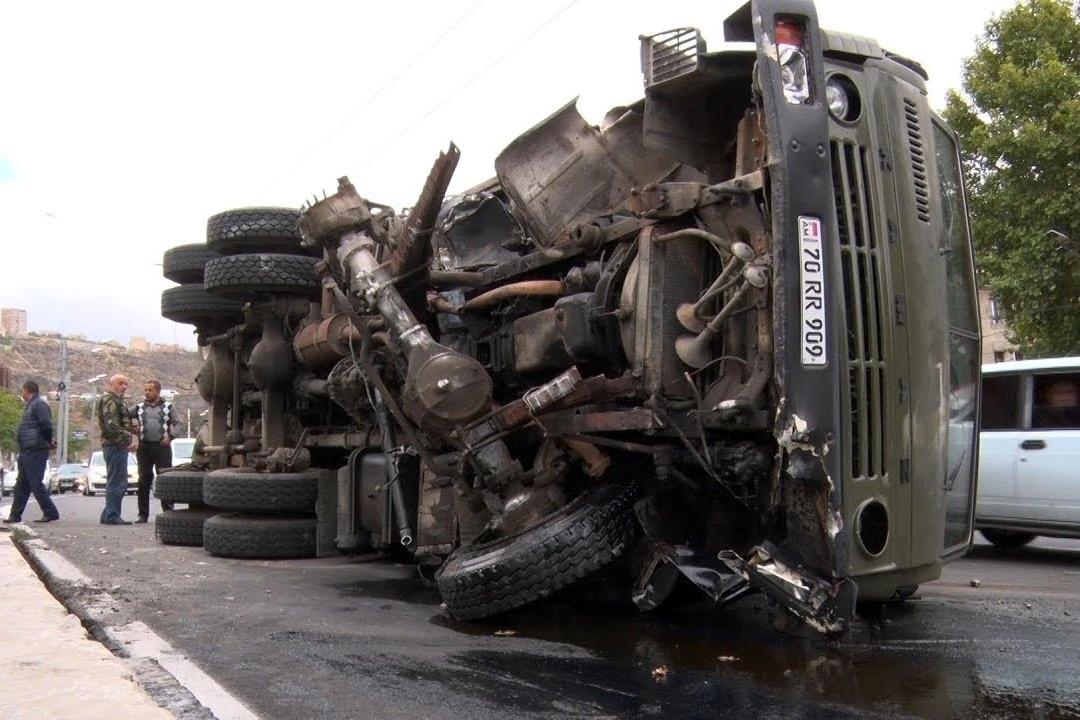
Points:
x=729 y=335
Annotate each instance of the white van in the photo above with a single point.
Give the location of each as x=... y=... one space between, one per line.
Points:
x=1029 y=451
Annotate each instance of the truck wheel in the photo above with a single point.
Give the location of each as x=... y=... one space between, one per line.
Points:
x=256 y=230
x=185 y=263
x=261 y=492
x=244 y=276
x=180 y=485
x=192 y=305
x=492 y=577
x=181 y=527
x=242 y=536
x=1008 y=539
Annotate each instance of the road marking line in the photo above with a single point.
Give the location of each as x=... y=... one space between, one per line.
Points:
x=142 y=642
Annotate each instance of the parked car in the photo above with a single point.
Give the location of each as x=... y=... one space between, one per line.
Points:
x=1029 y=450
x=50 y=479
x=12 y=475
x=7 y=485
x=70 y=477
x=96 y=477
x=182 y=450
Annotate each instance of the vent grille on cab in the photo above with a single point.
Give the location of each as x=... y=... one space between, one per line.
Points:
x=669 y=54
x=918 y=161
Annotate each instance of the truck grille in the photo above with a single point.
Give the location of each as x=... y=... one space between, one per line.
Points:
x=864 y=308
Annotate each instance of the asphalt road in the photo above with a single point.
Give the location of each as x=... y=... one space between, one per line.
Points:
x=360 y=637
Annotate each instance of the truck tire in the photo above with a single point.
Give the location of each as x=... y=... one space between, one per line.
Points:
x=1008 y=539
x=261 y=492
x=242 y=536
x=192 y=305
x=181 y=527
x=256 y=230
x=185 y=263
x=588 y=533
x=180 y=485
x=243 y=277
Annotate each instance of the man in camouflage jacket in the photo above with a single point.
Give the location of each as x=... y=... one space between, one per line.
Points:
x=114 y=420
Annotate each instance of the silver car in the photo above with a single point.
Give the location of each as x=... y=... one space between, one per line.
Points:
x=96 y=477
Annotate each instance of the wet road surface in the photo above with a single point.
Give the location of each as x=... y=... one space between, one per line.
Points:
x=360 y=637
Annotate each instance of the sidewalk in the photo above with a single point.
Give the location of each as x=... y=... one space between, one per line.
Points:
x=49 y=667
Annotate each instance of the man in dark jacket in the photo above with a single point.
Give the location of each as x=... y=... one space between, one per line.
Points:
x=35 y=437
x=116 y=441
x=157 y=423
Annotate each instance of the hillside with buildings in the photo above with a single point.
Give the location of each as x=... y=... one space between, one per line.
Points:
x=37 y=357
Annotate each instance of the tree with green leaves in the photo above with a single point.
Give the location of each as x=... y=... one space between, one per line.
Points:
x=1018 y=119
x=11 y=410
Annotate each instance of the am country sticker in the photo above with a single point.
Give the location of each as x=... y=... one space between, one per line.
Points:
x=812 y=277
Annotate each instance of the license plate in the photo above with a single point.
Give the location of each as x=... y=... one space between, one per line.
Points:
x=812 y=276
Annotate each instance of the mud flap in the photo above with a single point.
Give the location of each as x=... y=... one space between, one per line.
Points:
x=823 y=605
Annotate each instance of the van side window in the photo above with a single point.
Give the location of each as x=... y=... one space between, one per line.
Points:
x=1057 y=401
x=1001 y=402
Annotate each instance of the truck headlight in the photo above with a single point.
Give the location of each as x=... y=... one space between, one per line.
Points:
x=842 y=98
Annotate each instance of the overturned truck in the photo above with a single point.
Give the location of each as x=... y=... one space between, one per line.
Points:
x=728 y=335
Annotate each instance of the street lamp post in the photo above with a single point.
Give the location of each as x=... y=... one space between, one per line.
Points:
x=65 y=380
x=65 y=410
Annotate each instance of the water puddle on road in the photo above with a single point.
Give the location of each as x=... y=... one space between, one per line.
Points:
x=912 y=671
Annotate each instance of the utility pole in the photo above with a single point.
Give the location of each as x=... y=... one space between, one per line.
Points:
x=189 y=422
x=93 y=421
x=65 y=381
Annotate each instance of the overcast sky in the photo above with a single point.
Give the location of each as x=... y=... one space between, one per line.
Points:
x=124 y=125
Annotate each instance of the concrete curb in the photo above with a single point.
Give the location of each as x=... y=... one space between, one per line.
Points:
x=174 y=682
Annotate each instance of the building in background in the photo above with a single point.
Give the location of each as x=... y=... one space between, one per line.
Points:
x=996 y=346
x=139 y=344
x=12 y=322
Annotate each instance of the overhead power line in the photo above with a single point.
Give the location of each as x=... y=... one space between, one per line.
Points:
x=514 y=47
x=348 y=119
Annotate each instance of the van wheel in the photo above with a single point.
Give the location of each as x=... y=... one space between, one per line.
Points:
x=179 y=485
x=230 y=489
x=185 y=263
x=181 y=527
x=247 y=277
x=256 y=230
x=1008 y=539
x=242 y=536
x=192 y=305
x=578 y=539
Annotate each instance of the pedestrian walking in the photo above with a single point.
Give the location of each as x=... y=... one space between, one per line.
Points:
x=157 y=421
x=35 y=439
x=116 y=441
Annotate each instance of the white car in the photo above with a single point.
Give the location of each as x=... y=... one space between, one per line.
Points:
x=1029 y=451
x=7 y=487
x=96 y=478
